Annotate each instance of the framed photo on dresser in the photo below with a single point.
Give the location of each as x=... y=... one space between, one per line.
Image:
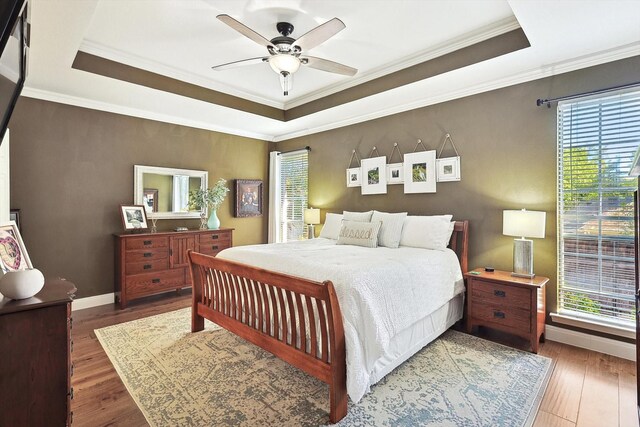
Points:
x=134 y=217
x=13 y=253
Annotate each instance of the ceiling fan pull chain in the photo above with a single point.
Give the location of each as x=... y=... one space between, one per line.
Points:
x=354 y=154
x=396 y=148
x=420 y=143
x=447 y=137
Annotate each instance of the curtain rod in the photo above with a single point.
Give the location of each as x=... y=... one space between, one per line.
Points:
x=293 y=151
x=540 y=102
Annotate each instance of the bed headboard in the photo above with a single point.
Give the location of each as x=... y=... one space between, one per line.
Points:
x=459 y=243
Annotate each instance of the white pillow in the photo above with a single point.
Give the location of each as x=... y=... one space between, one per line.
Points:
x=359 y=233
x=331 y=227
x=357 y=216
x=428 y=232
x=391 y=229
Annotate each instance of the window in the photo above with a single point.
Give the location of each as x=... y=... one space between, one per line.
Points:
x=293 y=190
x=597 y=139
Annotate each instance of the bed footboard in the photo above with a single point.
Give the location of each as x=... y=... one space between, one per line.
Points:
x=295 y=319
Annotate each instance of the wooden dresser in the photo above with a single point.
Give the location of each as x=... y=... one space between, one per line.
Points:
x=152 y=263
x=512 y=304
x=35 y=370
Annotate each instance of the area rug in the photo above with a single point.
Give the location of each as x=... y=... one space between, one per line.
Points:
x=213 y=378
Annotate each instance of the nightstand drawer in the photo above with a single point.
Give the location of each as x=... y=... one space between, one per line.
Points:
x=501 y=295
x=499 y=316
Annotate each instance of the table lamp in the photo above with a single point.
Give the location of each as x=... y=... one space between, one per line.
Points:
x=311 y=218
x=523 y=223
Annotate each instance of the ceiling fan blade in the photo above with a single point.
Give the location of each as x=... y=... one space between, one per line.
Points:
x=319 y=34
x=245 y=31
x=241 y=63
x=326 y=65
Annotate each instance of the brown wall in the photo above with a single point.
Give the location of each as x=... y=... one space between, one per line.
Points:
x=72 y=167
x=508 y=154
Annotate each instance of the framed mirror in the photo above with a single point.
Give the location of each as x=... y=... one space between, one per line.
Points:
x=164 y=192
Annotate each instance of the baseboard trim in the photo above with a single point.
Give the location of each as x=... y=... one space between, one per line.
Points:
x=620 y=349
x=94 y=301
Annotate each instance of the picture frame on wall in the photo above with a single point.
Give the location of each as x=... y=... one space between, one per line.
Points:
x=13 y=253
x=134 y=217
x=374 y=175
x=395 y=173
x=420 y=172
x=353 y=177
x=448 y=169
x=248 y=198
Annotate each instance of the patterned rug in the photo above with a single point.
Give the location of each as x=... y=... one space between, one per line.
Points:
x=214 y=378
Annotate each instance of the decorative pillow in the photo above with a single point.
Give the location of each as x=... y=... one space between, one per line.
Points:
x=331 y=227
x=391 y=229
x=428 y=232
x=359 y=233
x=357 y=216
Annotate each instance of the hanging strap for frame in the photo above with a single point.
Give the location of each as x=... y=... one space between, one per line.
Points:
x=447 y=137
x=419 y=143
x=396 y=148
x=372 y=150
x=353 y=154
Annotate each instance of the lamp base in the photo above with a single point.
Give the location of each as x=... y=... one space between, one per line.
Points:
x=523 y=258
x=311 y=231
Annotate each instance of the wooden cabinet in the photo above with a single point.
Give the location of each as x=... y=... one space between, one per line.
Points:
x=511 y=304
x=148 y=264
x=36 y=346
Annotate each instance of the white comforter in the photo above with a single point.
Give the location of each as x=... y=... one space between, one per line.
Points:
x=381 y=291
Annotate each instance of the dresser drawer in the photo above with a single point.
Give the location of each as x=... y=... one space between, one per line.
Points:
x=149 y=283
x=501 y=295
x=211 y=248
x=146 y=266
x=215 y=237
x=502 y=316
x=147 y=255
x=146 y=242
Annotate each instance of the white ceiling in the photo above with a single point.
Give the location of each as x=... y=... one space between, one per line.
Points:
x=182 y=39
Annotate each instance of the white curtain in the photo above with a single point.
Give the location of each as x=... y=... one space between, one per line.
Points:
x=180 y=193
x=274 y=197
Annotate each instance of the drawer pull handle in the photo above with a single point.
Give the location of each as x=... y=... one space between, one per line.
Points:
x=72 y=367
x=498 y=314
x=500 y=293
x=155 y=280
x=146 y=266
x=71 y=347
x=147 y=254
x=147 y=242
x=71 y=393
x=214 y=247
x=214 y=236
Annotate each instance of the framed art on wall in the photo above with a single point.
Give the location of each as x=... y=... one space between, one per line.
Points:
x=420 y=172
x=448 y=169
x=248 y=198
x=13 y=253
x=134 y=217
x=395 y=174
x=374 y=175
x=353 y=177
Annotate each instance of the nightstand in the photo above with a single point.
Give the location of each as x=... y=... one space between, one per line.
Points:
x=512 y=304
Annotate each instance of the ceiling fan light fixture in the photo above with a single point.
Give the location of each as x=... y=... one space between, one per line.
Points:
x=286 y=82
x=284 y=63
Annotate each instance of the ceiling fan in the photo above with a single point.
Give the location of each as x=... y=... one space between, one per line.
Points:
x=286 y=53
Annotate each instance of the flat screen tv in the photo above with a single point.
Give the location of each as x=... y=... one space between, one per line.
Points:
x=12 y=57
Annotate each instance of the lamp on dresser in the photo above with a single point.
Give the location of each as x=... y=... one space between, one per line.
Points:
x=311 y=218
x=523 y=223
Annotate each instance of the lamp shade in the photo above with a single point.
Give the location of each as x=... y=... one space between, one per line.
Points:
x=312 y=216
x=524 y=223
x=284 y=62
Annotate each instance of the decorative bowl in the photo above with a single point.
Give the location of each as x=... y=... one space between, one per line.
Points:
x=21 y=284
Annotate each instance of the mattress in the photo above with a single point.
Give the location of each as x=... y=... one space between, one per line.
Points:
x=383 y=294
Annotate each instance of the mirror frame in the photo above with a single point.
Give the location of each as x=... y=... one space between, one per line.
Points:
x=138 y=188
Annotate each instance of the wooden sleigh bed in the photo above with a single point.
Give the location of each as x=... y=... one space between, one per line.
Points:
x=296 y=319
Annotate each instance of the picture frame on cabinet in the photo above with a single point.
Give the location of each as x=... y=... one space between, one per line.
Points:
x=374 y=175
x=134 y=217
x=13 y=253
x=420 y=172
x=354 y=177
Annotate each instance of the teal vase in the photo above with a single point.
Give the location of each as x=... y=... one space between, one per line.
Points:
x=213 y=223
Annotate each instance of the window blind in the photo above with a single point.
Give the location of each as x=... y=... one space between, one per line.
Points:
x=294 y=186
x=597 y=139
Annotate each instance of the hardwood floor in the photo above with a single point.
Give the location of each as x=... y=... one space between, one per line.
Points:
x=586 y=388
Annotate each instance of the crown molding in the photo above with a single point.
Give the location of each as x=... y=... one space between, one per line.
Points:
x=135 y=112
x=137 y=61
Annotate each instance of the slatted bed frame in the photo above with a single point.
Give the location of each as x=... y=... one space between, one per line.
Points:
x=295 y=319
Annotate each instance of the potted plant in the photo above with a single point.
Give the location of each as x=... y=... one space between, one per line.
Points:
x=211 y=198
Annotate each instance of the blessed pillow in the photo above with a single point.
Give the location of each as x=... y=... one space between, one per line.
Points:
x=428 y=232
x=357 y=216
x=359 y=233
x=391 y=228
x=331 y=227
